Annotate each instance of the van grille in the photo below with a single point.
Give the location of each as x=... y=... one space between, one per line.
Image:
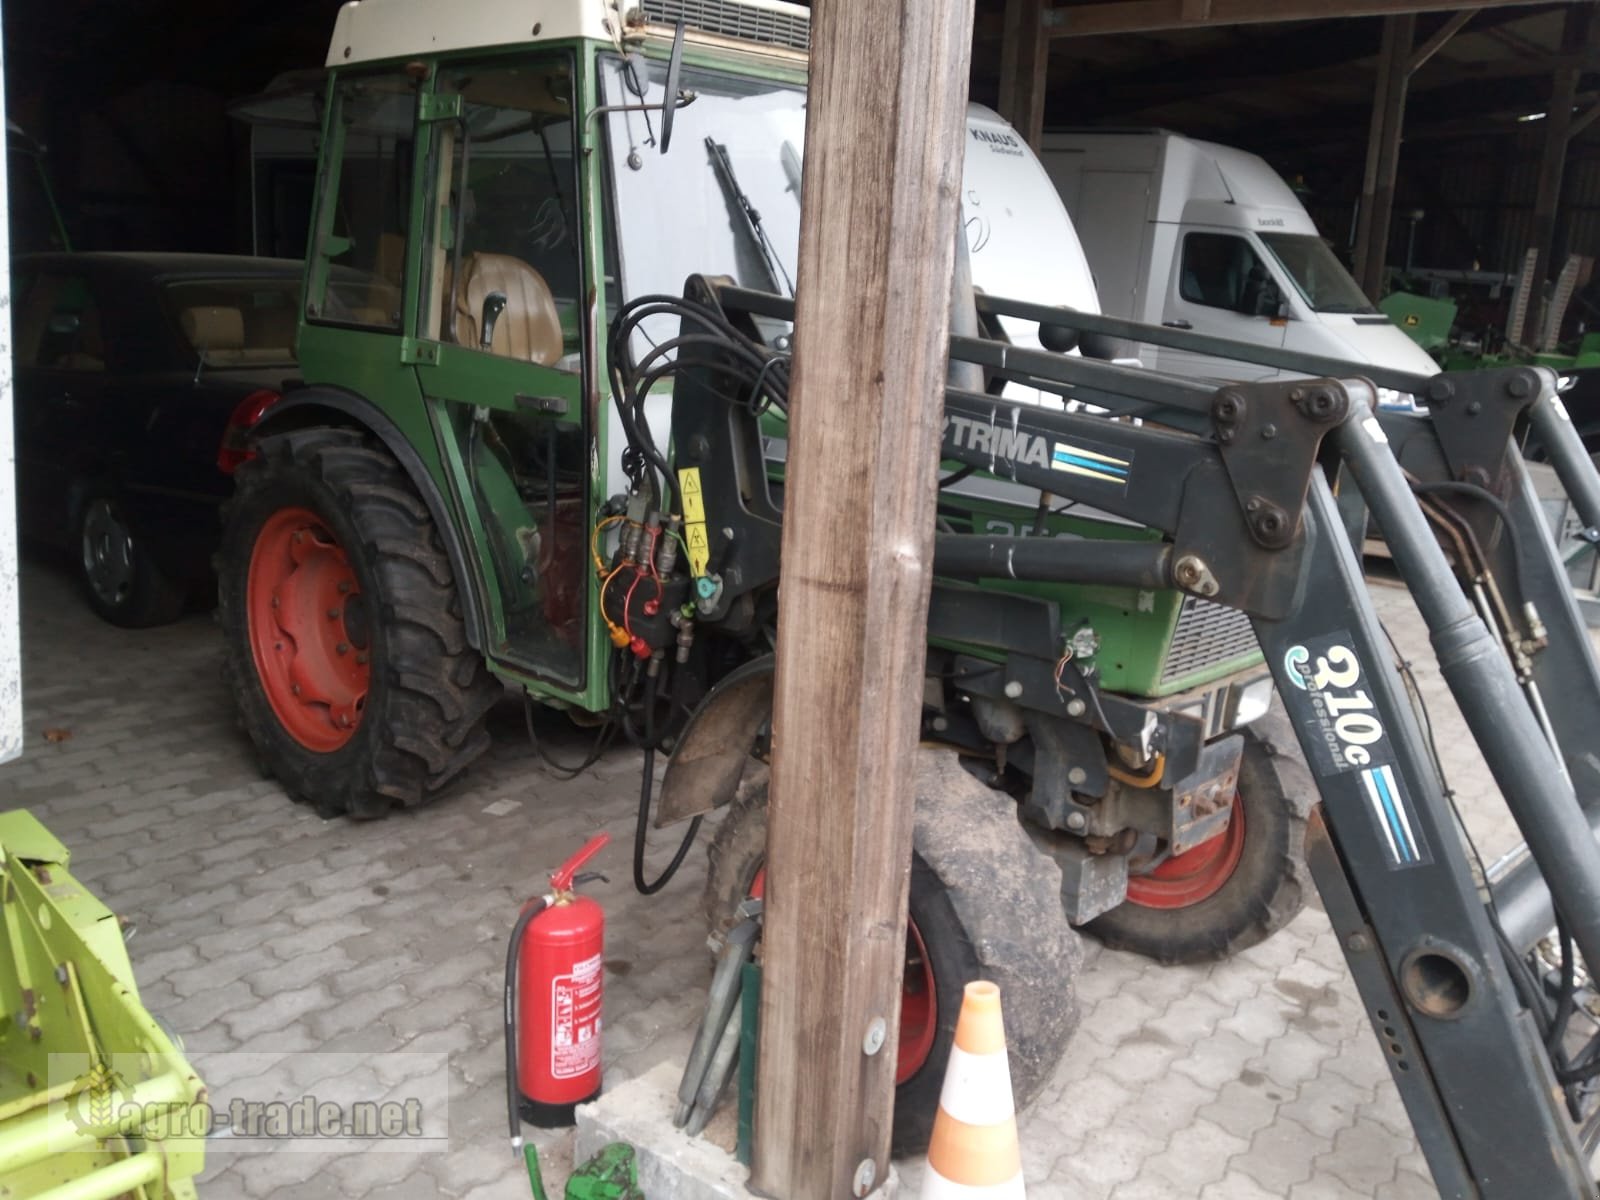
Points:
x=1206 y=634
x=729 y=18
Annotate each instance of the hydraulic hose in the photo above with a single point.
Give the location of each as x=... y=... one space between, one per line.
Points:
x=530 y=910
x=641 y=828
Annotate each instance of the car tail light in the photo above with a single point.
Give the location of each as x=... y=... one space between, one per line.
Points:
x=235 y=448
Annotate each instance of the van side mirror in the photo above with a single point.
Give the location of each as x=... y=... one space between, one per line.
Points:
x=1269 y=301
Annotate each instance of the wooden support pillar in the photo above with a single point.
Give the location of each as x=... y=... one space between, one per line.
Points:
x=1024 y=61
x=885 y=139
x=1577 y=32
x=1383 y=152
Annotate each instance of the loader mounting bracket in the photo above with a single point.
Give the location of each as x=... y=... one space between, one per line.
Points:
x=1269 y=448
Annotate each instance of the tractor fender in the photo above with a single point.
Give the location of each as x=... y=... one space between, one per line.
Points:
x=307 y=407
x=710 y=757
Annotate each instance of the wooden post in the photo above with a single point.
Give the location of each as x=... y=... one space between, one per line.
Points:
x=1024 y=62
x=885 y=139
x=1576 y=34
x=1383 y=153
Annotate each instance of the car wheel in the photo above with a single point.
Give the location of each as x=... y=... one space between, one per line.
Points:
x=120 y=580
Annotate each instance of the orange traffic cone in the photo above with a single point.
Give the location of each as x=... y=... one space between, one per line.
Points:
x=974 y=1151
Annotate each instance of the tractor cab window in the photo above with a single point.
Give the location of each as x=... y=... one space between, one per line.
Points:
x=503 y=264
x=1220 y=270
x=501 y=293
x=361 y=231
x=735 y=150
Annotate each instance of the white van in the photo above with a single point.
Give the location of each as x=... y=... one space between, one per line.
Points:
x=1193 y=235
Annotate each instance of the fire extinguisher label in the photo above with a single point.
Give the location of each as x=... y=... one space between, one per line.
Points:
x=575 y=1020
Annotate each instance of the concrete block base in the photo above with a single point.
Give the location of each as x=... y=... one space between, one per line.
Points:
x=672 y=1165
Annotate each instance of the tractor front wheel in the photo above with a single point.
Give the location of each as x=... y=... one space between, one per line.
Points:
x=1239 y=888
x=985 y=904
x=344 y=640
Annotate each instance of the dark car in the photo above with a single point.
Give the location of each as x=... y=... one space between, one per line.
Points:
x=132 y=372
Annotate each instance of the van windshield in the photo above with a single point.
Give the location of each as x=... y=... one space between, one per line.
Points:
x=1317 y=274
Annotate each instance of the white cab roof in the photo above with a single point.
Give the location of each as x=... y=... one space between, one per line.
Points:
x=367 y=30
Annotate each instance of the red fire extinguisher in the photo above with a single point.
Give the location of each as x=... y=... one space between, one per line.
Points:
x=554 y=970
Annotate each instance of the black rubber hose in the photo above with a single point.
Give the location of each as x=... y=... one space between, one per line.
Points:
x=646 y=787
x=513 y=959
x=1456 y=487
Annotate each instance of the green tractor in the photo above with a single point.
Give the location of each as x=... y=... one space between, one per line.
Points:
x=501 y=471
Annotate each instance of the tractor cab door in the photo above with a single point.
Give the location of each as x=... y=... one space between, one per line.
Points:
x=501 y=349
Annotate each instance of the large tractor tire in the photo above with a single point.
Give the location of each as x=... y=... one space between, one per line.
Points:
x=1242 y=886
x=985 y=904
x=343 y=630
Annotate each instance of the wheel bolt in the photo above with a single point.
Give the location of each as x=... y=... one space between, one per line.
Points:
x=361 y=660
x=343 y=647
x=295 y=688
x=274 y=602
x=299 y=537
x=344 y=587
x=333 y=614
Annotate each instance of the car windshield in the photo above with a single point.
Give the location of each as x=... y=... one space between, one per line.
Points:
x=725 y=201
x=1317 y=274
x=236 y=322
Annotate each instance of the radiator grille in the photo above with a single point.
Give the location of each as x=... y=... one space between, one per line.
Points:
x=1207 y=634
x=729 y=18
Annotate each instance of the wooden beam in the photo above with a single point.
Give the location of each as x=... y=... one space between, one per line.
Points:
x=1582 y=121
x=1383 y=153
x=1436 y=43
x=885 y=140
x=1578 y=33
x=1132 y=16
x=1024 y=63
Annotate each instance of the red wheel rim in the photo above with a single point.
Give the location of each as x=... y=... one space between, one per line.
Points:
x=308 y=632
x=1196 y=874
x=919 y=1001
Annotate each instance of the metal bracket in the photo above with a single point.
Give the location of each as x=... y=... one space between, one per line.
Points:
x=439 y=106
x=1269 y=435
x=1475 y=414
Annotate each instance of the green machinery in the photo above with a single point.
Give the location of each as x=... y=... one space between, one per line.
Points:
x=454 y=501
x=95 y=1100
x=546 y=330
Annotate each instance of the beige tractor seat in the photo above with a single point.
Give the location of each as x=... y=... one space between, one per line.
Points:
x=218 y=333
x=530 y=327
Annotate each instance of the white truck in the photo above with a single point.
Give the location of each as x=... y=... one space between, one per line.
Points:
x=1197 y=236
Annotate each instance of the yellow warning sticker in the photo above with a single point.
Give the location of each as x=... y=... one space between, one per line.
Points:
x=694 y=519
x=699 y=547
x=694 y=508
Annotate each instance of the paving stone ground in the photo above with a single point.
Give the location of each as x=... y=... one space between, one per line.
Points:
x=264 y=929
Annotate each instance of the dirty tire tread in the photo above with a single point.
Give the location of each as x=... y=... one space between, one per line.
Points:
x=430 y=691
x=1010 y=930
x=1268 y=888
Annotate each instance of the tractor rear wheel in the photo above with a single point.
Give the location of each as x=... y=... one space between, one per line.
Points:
x=985 y=904
x=1242 y=886
x=342 y=625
